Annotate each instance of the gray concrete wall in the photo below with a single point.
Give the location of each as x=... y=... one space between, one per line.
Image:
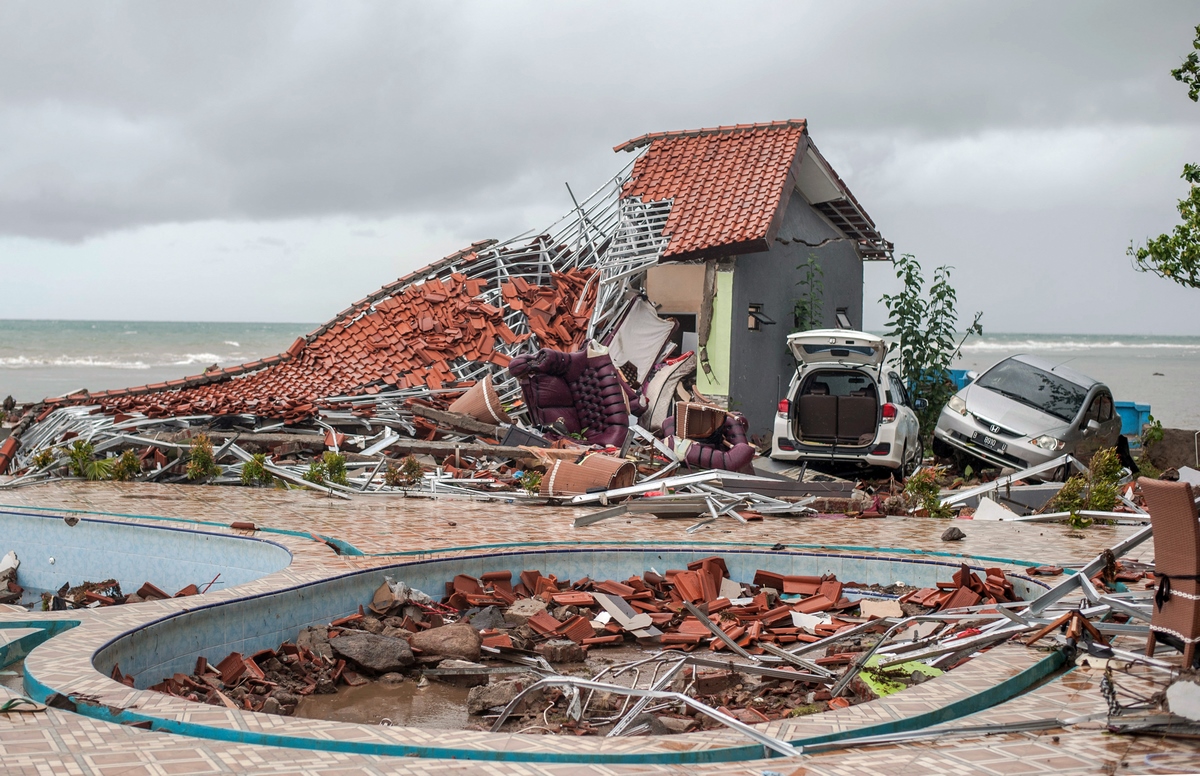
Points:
x=760 y=363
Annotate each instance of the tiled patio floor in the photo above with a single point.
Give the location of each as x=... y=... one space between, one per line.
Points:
x=58 y=742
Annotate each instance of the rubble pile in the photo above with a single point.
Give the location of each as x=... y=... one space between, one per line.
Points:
x=90 y=595
x=775 y=647
x=10 y=591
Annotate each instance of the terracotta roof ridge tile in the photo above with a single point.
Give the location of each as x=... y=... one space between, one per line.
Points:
x=638 y=142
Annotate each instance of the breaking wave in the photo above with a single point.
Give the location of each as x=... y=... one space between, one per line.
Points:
x=109 y=362
x=1034 y=344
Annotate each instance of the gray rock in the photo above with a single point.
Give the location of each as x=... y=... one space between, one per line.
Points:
x=488 y=617
x=372 y=625
x=391 y=679
x=562 y=651
x=271 y=706
x=316 y=640
x=953 y=534
x=676 y=724
x=499 y=694
x=465 y=680
x=459 y=640
x=525 y=608
x=393 y=622
x=374 y=653
x=396 y=633
x=285 y=698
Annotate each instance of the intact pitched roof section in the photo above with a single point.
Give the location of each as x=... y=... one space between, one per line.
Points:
x=729 y=186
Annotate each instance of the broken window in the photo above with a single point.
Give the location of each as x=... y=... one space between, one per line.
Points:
x=757 y=319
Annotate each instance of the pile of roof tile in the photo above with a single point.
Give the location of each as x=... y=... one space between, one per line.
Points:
x=558 y=314
x=412 y=336
x=965 y=589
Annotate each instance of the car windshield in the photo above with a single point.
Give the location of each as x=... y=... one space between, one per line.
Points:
x=1035 y=387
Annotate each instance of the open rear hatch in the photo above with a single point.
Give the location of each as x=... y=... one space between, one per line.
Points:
x=824 y=346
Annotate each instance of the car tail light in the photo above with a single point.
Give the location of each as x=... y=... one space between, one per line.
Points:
x=784 y=406
x=882 y=449
x=785 y=445
x=889 y=412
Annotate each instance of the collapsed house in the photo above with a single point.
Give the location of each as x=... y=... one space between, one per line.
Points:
x=694 y=246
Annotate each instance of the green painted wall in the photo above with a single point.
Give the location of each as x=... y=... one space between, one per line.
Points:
x=718 y=340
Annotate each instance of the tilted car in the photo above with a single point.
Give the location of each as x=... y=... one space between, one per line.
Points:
x=844 y=405
x=1025 y=411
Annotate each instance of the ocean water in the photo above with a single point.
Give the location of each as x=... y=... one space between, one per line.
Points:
x=1163 y=372
x=50 y=358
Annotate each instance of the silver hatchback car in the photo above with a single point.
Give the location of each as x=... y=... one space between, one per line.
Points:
x=1025 y=411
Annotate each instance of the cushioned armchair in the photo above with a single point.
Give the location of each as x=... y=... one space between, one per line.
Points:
x=726 y=449
x=1176 y=615
x=583 y=390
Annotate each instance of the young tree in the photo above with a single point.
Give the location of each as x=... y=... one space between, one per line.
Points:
x=808 y=312
x=923 y=329
x=1176 y=256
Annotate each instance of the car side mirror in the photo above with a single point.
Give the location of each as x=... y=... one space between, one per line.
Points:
x=920 y=404
x=1092 y=425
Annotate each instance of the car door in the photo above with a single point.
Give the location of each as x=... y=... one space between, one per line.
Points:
x=910 y=431
x=1101 y=411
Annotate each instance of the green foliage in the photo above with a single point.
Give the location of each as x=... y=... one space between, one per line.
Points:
x=808 y=311
x=316 y=472
x=127 y=466
x=201 y=464
x=922 y=326
x=923 y=486
x=1152 y=434
x=1188 y=73
x=81 y=462
x=411 y=471
x=579 y=436
x=1176 y=256
x=531 y=482
x=45 y=457
x=335 y=467
x=254 y=471
x=1096 y=491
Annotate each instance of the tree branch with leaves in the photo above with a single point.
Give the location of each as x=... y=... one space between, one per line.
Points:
x=1176 y=255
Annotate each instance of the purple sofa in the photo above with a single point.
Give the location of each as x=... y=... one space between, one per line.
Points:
x=588 y=394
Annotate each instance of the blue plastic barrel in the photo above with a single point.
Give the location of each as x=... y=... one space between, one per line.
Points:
x=1133 y=416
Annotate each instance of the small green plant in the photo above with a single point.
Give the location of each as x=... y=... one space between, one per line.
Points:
x=201 y=464
x=254 y=471
x=335 y=467
x=1152 y=434
x=1096 y=490
x=411 y=471
x=45 y=457
x=392 y=477
x=923 y=487
x=579 y=436
x=808 y=309
x=922 y=324
x=82 y=462
x=531 y=482
x=316 y=472
x=127 y=466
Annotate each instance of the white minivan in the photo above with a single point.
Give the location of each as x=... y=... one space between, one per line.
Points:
x=844 y=405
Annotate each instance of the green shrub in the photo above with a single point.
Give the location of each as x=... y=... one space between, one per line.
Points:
x=254 y=471
x=335 y=467
x=127 y=466
x=82 y=462
x=923 y=487
x=201 y=463
x=316 y=472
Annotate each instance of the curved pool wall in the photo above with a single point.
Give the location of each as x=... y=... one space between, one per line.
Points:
x=247 y=625
x=95 y=550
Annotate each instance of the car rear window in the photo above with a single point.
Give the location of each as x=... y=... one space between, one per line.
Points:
x=846 y=383
x=1035 y=387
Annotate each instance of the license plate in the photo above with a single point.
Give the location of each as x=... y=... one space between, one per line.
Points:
x=983 y=440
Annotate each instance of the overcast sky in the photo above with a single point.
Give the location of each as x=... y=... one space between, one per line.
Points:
x=258 y=161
